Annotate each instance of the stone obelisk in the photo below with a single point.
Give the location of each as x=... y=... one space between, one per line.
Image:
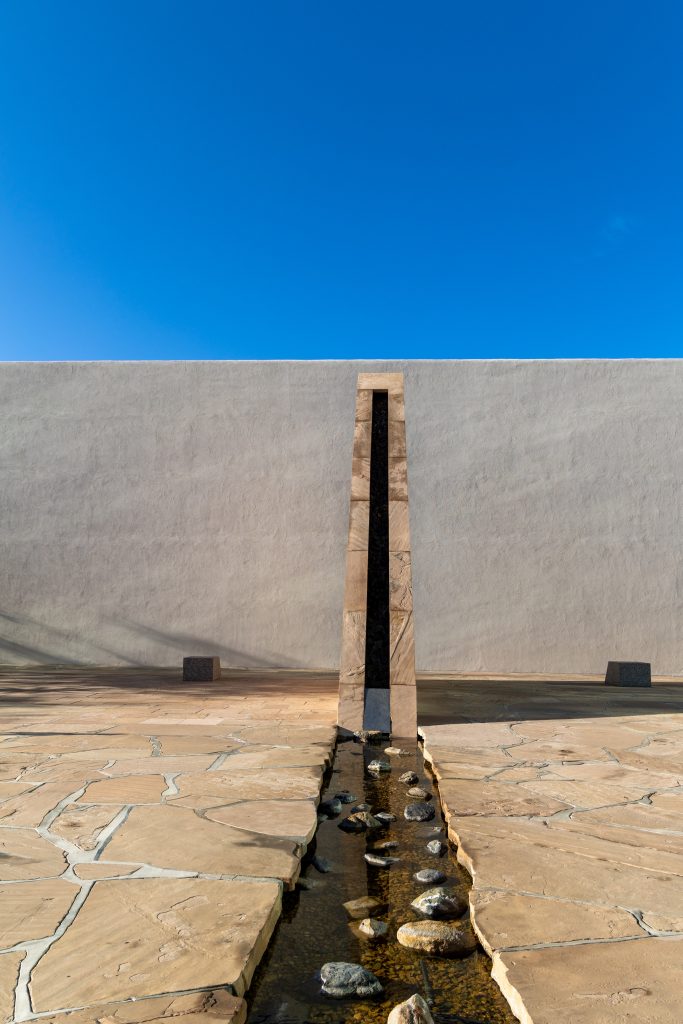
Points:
x=377 y=672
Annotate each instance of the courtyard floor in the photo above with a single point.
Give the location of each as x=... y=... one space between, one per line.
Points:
x=565 y=798
x=148 y=829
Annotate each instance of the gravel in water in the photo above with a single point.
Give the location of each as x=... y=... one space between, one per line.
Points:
x=316 y=929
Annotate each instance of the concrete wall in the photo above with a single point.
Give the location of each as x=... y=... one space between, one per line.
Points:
x=149 y=510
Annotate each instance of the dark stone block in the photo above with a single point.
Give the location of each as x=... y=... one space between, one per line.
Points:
x=628 y=673
x=201 y=670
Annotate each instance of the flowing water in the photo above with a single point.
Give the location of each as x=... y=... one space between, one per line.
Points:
x=315 y=927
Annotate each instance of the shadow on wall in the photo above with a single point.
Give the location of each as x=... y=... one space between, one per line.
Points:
x=64 y=647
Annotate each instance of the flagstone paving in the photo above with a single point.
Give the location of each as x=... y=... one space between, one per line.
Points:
x=148 y=828
x=566 y=802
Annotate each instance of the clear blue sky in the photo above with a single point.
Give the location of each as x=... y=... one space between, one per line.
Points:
x=324 y=180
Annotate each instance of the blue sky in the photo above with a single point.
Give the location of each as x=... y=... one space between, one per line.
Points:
x=319 y=180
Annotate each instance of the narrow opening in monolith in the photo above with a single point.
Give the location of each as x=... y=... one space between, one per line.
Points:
x=377 y=627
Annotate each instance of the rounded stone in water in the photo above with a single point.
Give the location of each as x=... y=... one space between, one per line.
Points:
x=429 y=876
x=373 y=928
x=419 y=793
x=436 y=847
x=378 y=861
x=377 y=766
x=410 y=778
x=341 y=979
x=419 y=812
x=385 y=817
x=346 y=797
x=360 y=807
x=388 y=844
x=439 y=902
x=437 y=938
x=363 y=907
x=330 y=808
x=413 y=1011
x=359 y=822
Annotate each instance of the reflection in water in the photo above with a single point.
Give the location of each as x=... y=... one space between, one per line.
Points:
x=314 y=928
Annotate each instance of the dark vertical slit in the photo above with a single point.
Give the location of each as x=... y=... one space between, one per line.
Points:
x=377 y=626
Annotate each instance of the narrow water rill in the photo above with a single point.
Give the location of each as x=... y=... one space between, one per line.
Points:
x=316 y=928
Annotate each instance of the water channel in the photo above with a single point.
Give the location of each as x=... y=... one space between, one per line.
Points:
x=315 y=927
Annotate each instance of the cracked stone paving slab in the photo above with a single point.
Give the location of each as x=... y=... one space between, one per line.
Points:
x=162 y=934
x=216 y=1007
x=570 y=823
x=107 y=781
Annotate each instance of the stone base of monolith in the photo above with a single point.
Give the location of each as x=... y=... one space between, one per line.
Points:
x=628 y=673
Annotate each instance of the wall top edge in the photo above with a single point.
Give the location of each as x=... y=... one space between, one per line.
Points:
x=379 y=364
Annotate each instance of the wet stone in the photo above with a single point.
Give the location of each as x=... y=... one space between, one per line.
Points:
x=388 y=844
x=385 y=817
x=378 y=766
x=419 y=812
x=308 y=883
x=412 y=1011
x=437 y=938
x=378 y=861
x=364 y=906
x=360 y=807
x=419 y=793
x=440 y=903
x=321 y=864
x=359 y=822
x=345 y=796
x=373 y=928
x=410 y=778
x=340 y=980
x=396 y=751
x=431 y=831
x=330 y=808
x=429 y=876
x=436 y=847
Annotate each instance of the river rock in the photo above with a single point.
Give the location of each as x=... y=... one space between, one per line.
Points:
x=429 y=876
x=359 y=822
x=410 y=778
x=341 y=979
x=360 y=807
x=388 y=844
x=440 y=902
x=413 y=1011
x=331 y=808
x=308 y=883
x=345 y=796
x=419 y=793
x=378 y=861
x=419 y=812
x=369 y=735
x=373 y=928
x=321 y=864
x=377 y=766
x=436 y=847
x=430 y=831
x=396 y=751
x=385 y=817
x=364 y=906
x=438 y=938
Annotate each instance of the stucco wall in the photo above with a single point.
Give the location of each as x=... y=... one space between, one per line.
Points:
x=153 y=509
